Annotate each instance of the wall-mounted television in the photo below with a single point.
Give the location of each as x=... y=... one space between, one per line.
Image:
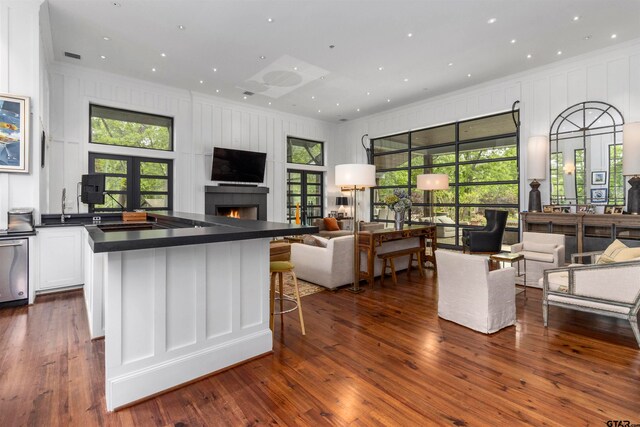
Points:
x=92 y=189
x=237 y=165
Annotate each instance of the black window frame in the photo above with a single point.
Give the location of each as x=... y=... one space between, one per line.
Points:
x=289 y=143
x=133 y=181
x=171 y=128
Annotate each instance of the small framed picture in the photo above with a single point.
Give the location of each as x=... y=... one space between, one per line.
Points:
x=599 y=195
x=598 y=178
x=340 y=215
x=333 y=214
x=585 y=209
x=613 y=210
x=561 y=209
x=547 y=208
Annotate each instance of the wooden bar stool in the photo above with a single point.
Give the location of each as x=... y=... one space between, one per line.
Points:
x=280 y=254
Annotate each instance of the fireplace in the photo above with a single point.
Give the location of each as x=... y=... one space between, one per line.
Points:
x=242 y=212
x=249 y=202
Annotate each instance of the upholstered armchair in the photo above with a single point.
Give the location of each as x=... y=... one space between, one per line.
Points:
x=541 y=251
x=329 y=266
x=489 y=238
x=471 y=295
x=608 y=289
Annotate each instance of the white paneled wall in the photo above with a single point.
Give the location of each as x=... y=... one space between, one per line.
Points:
x=611 y=75
x=201 y=122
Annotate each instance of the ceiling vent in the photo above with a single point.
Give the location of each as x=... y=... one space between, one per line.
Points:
x=246 y=92
x=72 y=55
x=344 y=120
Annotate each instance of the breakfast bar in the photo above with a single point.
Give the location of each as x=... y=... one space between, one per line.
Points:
x=180 y=296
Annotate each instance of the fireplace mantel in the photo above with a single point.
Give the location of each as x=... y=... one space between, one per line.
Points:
x=231 y=195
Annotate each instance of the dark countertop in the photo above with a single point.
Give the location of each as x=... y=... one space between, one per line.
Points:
x=192 y=229
x=6 y=235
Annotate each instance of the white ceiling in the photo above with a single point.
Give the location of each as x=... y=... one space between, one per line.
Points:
x=231 y=35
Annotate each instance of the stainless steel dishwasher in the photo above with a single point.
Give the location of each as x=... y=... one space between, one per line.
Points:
x=14 y=272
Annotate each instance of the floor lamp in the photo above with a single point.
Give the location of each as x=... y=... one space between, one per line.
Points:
x=430 y=182
x=355 y=177
x=631 y=165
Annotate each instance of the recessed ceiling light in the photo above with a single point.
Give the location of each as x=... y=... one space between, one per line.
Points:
x=613 y=36
x=559 y=52
x=321 y=77
x=469 y=75
x=269 y=102
x=410 y=35
x=153 y=69
x=405 y=79
x=337 y=104
x=244 y=97
x=491 y=21
x=270 y=20
x=263 y=57
x=576 y=18
x=368 y=93
x=217 y=90
x=103 y=57
x=388 y=100
x=182 y=27
x=357 y=109
x=105 y=38
x=513 y=41
x=295 y=68
x=587 y=37
x=319 y=111
x=215 y=70
x=380 y=68
x=164 y=55
x=313 y=97
x=201 y=81
x=450 y=64
x=529 y=56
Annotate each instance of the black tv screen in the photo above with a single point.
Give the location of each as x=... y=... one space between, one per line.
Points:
x=92 y=189
x=237 y=165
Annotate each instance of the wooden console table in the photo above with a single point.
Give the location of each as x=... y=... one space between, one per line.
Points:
x=369 y=241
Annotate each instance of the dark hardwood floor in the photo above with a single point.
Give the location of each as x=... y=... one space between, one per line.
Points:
x=382 y=357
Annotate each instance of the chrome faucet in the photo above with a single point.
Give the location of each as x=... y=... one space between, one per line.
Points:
x=64 y=196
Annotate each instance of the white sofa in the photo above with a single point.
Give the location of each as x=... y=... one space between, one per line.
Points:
x=471 y=295
x=333 y=266
x=607 y=289
x=542 y=251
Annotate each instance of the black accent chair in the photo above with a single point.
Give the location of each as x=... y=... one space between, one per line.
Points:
x=489 y=238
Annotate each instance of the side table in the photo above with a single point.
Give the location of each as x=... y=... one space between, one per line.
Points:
x=512 y=258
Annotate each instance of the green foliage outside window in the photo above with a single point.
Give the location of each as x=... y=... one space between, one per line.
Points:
x=304 y=152
x=616 y=179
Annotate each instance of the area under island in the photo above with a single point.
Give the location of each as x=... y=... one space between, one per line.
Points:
x=178 y=297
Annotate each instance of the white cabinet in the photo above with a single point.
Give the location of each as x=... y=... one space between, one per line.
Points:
x=59 y=257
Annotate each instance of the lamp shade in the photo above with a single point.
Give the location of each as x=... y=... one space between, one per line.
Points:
x=342 y=201
x=433 y=181
x=537 y=157
x=631 y=149
x=355 y=175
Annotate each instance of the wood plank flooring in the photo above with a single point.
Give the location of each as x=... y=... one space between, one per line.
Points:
x=382 y=357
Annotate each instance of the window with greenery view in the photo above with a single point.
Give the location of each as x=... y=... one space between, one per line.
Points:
x=557 y=177
x=305 y=152
x=480 y=156
x=578 y=159
x=112 y=126
x=134 y=182
x=616 y=179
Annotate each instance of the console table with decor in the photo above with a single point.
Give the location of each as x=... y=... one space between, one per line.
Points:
x=585 y=232
x=369 y=241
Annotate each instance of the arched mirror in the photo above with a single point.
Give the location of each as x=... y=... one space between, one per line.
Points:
x=585 y=155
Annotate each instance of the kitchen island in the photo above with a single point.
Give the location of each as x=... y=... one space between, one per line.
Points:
x=181 y=296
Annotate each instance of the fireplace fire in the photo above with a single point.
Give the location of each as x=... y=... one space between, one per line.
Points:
x=242 y=212
x=234 y=213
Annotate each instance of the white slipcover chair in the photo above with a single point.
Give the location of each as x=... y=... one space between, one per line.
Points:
x=542 y=252
x=471 y=295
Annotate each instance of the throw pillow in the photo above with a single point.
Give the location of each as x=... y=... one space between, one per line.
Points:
x=331 y=224
x=315 y=241
x=627 y=254
x=546 y=248
x=609 y=254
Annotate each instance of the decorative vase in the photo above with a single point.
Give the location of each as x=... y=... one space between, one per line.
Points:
x=399 y=220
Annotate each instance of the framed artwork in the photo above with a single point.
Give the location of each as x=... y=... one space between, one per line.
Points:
x=561 y=209
x=547 y=208
x=613 y=210
x=333 y=214
x=598 y=178
x=586 y=209
x=340 y=215
x=14 y=133
x=598 y=195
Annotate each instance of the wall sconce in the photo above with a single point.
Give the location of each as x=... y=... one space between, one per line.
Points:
x=631 y=164
x=569 y=168
x=536 y=169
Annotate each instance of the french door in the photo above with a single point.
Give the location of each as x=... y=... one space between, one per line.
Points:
x=304 y=191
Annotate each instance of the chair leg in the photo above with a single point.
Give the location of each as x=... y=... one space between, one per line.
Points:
x=419 y=255
x=634 y=326
x=272 y=299
x=281 y=291
x=545 y=313
x=410 y=265
x=295 y=284
x=393 y=272
x=384 y=271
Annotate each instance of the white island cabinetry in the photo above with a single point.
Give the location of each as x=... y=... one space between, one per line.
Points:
x=59 y=254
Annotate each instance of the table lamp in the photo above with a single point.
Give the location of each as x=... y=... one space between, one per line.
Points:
x=354 y=177
x=342 y=201
x=430 y=182
x=536 y=169
x=631 y=164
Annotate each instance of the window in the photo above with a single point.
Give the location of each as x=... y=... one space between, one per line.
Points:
x=304 y=191
x=580 y=179
x=480 y=156
x=112 y=126
x=133 y=182
x=616 y=179
x=305 y=152
x=557 y=178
